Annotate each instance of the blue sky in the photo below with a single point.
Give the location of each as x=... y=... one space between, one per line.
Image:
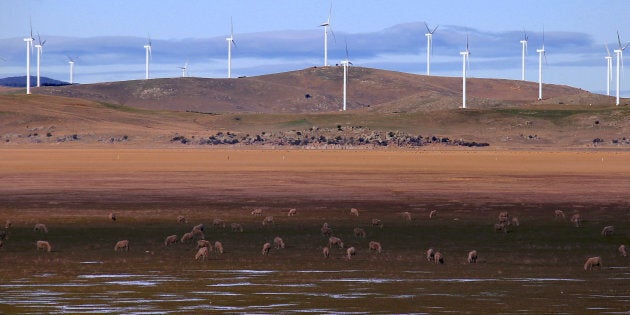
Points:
x=282 y=35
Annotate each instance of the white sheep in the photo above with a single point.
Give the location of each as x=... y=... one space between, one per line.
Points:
x=236 y=227
x=202 y=253
x=268 y=220
x=359 y=232
x=430 y=254
x=472 y=257
x=576 y=219
x=44 y=245
x=335 y=241
x=8 y=224
x=198 y=232
x=181 y=219
x=593 y=262
x=326 y=252
x=504 y=217
x=278 y=242
x=218 y=247
x=350 y=252
x=218 y=223
x=622 y=250
x=171 y=239
x=432 y=214
x=257 y=212
x=406 y=215
x=124 y=244
x=326 y=231
x=377 y=223
x=112 y=216
x=204 y=243
x=40 y=227
x=187 y=237
x=438 y=258
x=354 y=211
x=515 y=221
x=292 y=212
x=266 y=248
x=608 y=230
x=375 y=246
x=559 y=214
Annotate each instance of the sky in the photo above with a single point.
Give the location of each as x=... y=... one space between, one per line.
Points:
x=106 y=38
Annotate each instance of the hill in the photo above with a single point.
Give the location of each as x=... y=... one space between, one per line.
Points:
x=21 y=81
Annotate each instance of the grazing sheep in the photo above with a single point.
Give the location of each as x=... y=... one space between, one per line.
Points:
x=40 y=227
x=375 y=246
x=559 y=214
x=236 y=227
x=432 y=214
x=112 y=216
x=197 y=231
x=622 y=250
x=326 y=252
x=593 y=262
x=430 y=254
x=268 y=220
x=515 y=221
x=608 y=230
x=359 y=232
x=204 y=243
x=325 y=225
x=278 y=242
x=576 y=219
x=43 y=245
x=351 y=252
x=181 y=219
x=292 y=212
x=326 y=231
x=406 y=215
x=202 y=253
x=8 y=224
x=186 y=237
x=266 y=248
x=199 y=227
x=438 y=258
x=335 y=241
x=504 y=217
x=472 y=257
x=124 y=244
x=218 y=223
x=218 y=247
x=171 y=239
x=354 y=212
x=257 y=212
x=377 y=222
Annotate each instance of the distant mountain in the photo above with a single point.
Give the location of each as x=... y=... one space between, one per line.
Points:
x=21 y=81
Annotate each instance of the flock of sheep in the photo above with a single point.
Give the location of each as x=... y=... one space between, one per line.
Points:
x=205 y=247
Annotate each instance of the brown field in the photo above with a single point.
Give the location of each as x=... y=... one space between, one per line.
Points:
x=535 y=268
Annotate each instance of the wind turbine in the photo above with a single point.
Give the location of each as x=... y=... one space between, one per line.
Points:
x=346 y=62
x=619 y=54
x=39 y=46
x=524 y=44
x=541 y=52
x=147 y=49
x=71 y=62
x=608 y=70
x=184 y=70
x=465 y=62
x=230 y=41
x=29 y=48
x=429 y=36
x=327 y=27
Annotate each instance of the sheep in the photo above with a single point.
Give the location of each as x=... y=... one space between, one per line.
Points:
x=622 y=250
x=186 y=237
x=432 y=214
x=351 y=252
x=218 y=223
x=257 y=212
x=500 y=227
x=218 y=247
x=236 y=227
x=593 y=262
x=438 y=258
x=430 y=254
x=326 y=252
x=8 y=224
x=112 y=216
x=335 y=241
x=377 y=222
x=325 y=225
x=40 y=227
x=197 y=231
x=204 y=243
x=124 y=244
x=202 y=253
x=472 y=257
x=375 y=246
x=576 y=219
x=359 y=232
x=43 y=245
x=268 y=220
x=559 y=214
x=406 y=215
x=181 y=219
x=608 y=230
x=292 y=212
x=171 y=239
x=515 y=221
x=278 y=242
x=354 y=212
x=266 y=248
x=199 y=227
x=504 y=217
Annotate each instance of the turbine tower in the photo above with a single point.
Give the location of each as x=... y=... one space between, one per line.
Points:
x=524 y=44
x=608 y=70
x=541 y=53
x=327 y=27
x=465 y=62
x=147 y=49
x=429 y=36
x=29 y=48
x=39 y=46
x=230 y=41
x=71 y=62
x=345 y=63
x=619 y=53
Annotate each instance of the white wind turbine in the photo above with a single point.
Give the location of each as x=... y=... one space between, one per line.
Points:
x=465 y=63
x=524 y=44
x=147 y=49
x=541 y=53
x=619 y=53
x=184 y=70
x=71 y=62
x=608 y=70
x=39 y=46
x=327 y=27
x=29 y=48
x=429 y=36
x=230 y=42
x=345 y=63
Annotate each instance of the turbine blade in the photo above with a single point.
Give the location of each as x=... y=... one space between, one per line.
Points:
x=231 y=27
x=346 y=49
x=332 y=33
x=607 y=50
x=435 y=29
x=427 y=26
x=619 y=39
